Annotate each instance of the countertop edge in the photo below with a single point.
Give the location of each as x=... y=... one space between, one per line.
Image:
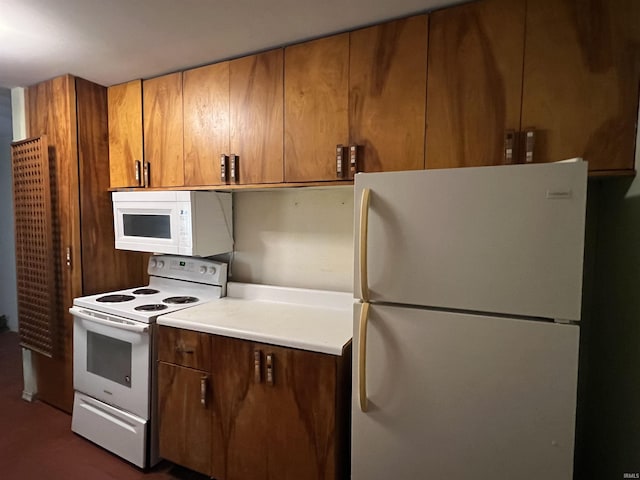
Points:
x=254 y=336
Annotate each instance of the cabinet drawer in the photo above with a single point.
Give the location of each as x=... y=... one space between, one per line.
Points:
x=184 y=347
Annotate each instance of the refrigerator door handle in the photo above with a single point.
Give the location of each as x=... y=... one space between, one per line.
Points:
x=362 y=358
x=362 y=238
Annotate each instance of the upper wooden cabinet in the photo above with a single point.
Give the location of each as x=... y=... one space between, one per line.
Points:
x=206 y=123
x=581 y=80
x=125 y=134
x=316 y=99
x=475 y=82
x=578 y=92
x=256 y=117
x=366 y=88
x=163 y=132
x=387 y=90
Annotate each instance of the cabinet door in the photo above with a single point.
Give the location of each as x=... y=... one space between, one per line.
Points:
x=300 y=398
x=316 y=88
x=581 y=76
x=256 y=104
x=274 y=413
x=184 y=416
x=474 y=83
x=52 y=110
x=125 y=134
x=240 y=415
x=162 y=106
x=206 y=123
x=387 y=90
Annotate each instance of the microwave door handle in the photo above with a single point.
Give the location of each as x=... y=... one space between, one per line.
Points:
x=122 y=326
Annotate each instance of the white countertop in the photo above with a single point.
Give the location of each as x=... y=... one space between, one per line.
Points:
x=315 y=320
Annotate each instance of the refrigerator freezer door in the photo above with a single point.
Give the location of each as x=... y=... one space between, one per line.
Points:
x=505 y=239
x=458 y=397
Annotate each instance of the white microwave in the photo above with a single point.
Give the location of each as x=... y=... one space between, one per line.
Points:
x=175 y=222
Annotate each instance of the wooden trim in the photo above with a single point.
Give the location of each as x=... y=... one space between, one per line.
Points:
x=612 y=173
x=254 y=186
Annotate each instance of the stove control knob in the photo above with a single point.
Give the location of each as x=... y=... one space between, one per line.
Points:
x=160 y=264
x=203 y=270
x=212 y=270
x=152 y=263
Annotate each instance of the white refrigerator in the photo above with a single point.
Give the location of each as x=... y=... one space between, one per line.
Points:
x=465 y=350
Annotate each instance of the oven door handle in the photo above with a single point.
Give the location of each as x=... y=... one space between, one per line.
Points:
x=76 y=312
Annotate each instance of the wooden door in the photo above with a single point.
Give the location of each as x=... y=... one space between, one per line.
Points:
x=474 y=82
x=125 y=134
x=581 y=77
x=316 y=89
x=240 y=415
x=206 y=123
x=387 y=91
x=163 y=140
x=256 y=116
x=184 y=416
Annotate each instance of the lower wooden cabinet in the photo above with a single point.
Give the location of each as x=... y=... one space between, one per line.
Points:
x=184 y=416
x=267 y=412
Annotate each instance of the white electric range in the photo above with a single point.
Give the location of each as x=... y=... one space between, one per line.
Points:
x=114 y=368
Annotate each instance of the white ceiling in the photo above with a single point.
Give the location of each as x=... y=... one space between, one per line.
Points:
x=112 y=41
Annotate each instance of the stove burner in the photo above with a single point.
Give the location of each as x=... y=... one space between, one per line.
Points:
x=180 y=300
x=152 y=307
x=145 y=291
x=116 y=298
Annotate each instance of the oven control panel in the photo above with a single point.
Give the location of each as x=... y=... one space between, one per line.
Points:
x=200 y=270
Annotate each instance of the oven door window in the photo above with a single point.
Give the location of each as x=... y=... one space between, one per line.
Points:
x=109 y=358
x=147 y=226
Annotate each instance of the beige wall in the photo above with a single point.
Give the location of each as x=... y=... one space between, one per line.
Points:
x=295 y=237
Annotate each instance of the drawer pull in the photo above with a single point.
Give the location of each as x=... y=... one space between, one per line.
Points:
x=185 y=350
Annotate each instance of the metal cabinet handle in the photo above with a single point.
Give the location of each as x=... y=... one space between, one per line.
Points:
x=362 y=358
x=203 y=391
x=363 y=233
x=530 y=141
x=146 y=181
x=68 y=257
x=270 y=379
x=509 y=145
x=223 y=167
x=340 y=161
x=353 y=160
x=257 y=366
x=233 y=166
x=137 y=167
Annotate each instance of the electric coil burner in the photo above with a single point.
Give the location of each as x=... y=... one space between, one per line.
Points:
x=115 y=298
x=180 y=300
x=153 y=307
x=114 y=364
x=145 y=291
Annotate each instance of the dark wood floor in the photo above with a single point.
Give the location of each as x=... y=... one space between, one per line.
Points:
x=36 y=441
